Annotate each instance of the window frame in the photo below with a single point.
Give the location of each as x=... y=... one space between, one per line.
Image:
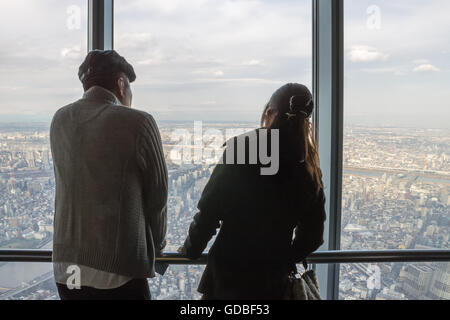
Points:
x=328 y=59
x=100 y=25
x=328 y=91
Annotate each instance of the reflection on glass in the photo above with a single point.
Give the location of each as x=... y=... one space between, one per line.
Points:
x=395 y=281
x=27 y=281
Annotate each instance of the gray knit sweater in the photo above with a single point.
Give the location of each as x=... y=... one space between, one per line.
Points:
x=111 y=186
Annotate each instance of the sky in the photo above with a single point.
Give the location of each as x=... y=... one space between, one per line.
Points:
x=222 y=59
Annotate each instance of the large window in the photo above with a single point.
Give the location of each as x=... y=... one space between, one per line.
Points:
x=42 y=44
x=396 y=178
x=205 y=69
x=214 y=63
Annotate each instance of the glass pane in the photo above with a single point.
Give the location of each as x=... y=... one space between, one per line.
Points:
x=395 y=281
x=180 y=282
x=213 y=62
x=396 y=179
x=27 y=281
x=41 y=59
x=35 y=281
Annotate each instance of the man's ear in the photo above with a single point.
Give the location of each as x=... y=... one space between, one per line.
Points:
x=121 y=85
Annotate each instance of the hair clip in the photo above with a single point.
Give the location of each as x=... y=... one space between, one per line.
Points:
x=293 y=103
x=309 y=108
x=296 y=105
x=290 y=115
x=306 y=115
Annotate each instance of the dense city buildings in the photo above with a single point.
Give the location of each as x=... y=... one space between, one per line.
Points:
x=395 y=195
x=396 y=185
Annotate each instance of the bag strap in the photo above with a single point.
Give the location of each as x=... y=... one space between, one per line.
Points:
x=294 y=269
x=305 y=265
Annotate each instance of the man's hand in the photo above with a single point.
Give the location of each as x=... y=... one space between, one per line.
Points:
x=182 y=250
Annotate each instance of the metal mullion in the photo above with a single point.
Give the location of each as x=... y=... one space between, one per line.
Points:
x=328 y=90
x=100 y=24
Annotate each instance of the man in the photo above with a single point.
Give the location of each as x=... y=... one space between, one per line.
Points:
x=111 y=187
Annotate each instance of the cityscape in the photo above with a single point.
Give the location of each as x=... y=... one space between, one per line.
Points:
x=396 y=185
x=395 y=195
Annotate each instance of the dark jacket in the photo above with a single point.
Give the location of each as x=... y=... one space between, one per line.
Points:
x=255 y=250
x=111 y=186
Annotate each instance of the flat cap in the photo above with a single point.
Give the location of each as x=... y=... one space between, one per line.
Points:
x=103 y=63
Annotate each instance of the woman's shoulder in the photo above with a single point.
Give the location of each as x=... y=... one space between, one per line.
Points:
x=245 y=148
x=250 y=136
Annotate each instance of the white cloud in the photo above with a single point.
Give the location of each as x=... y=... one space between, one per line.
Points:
x=10 y=88
x=146 y=62
x=161 y=6
x=72 y=52
x=239 y=9
x=208 y=103
x=394 y=70
x=238 y=80
x=426 y=68
x=421 y=61
x=252 y=62
x=366 y=54
x=135 y=41
x=209 y=72
x=156 y=58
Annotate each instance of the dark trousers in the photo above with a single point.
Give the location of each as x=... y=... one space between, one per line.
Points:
x=136 y=289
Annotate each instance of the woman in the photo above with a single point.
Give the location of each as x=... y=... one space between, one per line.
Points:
x=255 y=251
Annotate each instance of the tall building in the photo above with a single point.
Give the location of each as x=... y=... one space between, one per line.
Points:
x=417 y=280
x=29 y=157
x=440 y=282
